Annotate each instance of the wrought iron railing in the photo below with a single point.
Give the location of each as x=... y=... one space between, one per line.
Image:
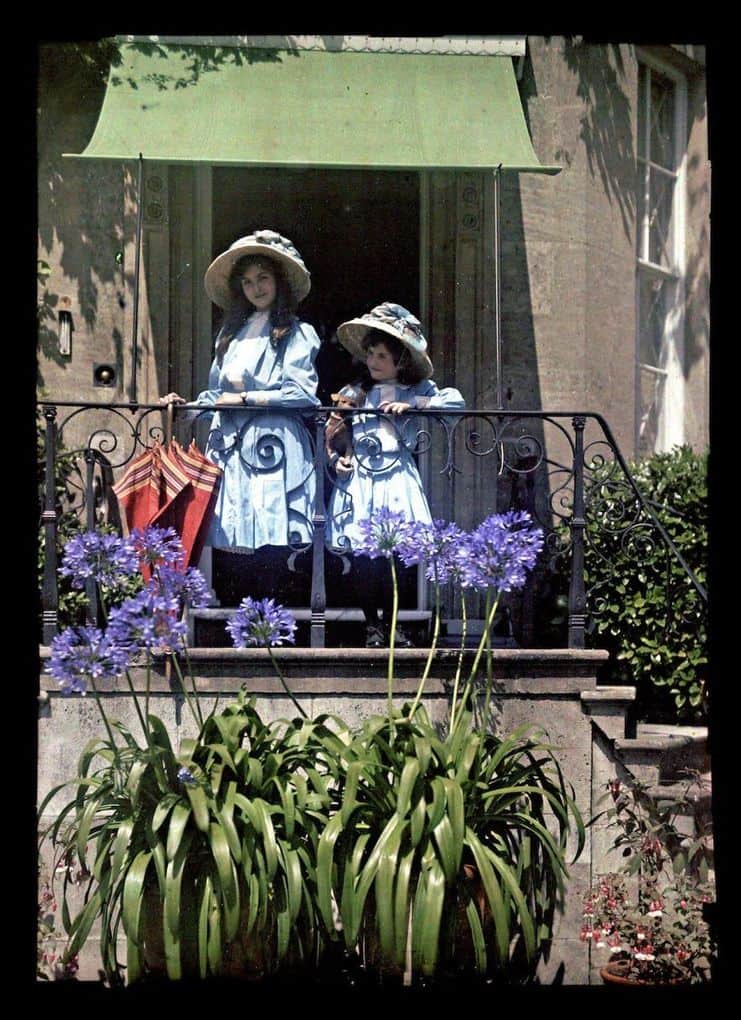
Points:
x=564 y=467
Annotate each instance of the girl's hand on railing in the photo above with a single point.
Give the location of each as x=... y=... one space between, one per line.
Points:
x=172 y=398
x=394 y=406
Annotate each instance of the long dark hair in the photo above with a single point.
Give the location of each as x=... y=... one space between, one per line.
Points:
x=282 y=313
x=407 y=372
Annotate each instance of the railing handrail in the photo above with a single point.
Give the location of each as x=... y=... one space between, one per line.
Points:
x=578 y=421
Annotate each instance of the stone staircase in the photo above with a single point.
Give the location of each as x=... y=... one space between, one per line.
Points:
x=674 y=764
x=671 y=762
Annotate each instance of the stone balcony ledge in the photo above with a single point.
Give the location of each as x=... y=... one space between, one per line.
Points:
x=359 y=671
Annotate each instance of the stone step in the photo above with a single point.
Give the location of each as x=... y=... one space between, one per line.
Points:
x=345 y=626
x=693 y=800
x=661 y=754
x=608 y=706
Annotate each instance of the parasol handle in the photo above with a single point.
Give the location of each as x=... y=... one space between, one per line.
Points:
x=169 y=413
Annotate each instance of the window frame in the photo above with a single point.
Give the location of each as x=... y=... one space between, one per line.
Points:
x=671 y=425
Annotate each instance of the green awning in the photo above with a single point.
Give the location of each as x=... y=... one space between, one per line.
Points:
x=230 y=105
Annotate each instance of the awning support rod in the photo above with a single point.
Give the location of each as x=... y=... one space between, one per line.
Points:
x=499 y=397
x=137 y=259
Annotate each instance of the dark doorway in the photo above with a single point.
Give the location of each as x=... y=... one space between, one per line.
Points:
x=357 y=230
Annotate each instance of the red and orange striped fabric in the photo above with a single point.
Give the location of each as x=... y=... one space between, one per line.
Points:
x=170 y=487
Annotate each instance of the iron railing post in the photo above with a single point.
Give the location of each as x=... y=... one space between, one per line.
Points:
x=49 y=589
x=318 y=585
x=577 y=596
x=91 y=587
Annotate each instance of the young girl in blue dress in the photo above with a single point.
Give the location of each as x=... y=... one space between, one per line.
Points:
x=390 y=341
x=264 y=356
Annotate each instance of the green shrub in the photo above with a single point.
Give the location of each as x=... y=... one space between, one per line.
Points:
x=72 y=602
x=643 y=606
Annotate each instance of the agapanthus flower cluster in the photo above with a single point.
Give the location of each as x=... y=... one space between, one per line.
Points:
x=82 y=654
x=436 y=546
x=107 y=559
x=158 y=547
x=500 y=552
x=382 y=533
x=261 y=622
x=497 y=555
x=149 y=621
x=186 y=777
x=189 y=584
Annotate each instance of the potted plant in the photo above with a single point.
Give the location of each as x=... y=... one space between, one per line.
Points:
x=440 y=859
x=647 y=918
x=197 y=853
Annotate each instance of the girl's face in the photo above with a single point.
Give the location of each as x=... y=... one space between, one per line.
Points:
x=259 y=286
x=380 y=362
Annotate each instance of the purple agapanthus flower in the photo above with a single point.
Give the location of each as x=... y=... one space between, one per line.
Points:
x=80 y=654
x=381 y=533
x=186 y=777
x=158 y=547
x=107 y=559
x=261 y=622
x=147 y=620
x=435 y=544
x=187 y=584
x=500 y=552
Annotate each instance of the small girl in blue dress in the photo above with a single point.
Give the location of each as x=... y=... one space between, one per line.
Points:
x=390 y=341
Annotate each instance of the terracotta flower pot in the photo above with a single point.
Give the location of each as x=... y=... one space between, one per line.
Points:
x=619 y=973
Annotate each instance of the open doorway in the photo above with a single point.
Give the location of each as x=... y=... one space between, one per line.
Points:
x=357 y=230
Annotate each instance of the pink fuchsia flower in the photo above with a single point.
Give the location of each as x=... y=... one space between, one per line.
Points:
x=643 y=955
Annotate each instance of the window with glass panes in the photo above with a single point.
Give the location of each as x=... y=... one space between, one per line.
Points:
x=660 y=244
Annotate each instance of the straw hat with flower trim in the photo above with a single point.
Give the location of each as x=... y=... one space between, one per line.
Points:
x=262 y=242
x=397 y=322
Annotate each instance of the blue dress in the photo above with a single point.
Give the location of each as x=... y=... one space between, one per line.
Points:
x=384 y=471
x=266 y=496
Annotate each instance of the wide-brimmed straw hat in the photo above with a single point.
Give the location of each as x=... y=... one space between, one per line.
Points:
x=397 y=322
x=262 y=242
